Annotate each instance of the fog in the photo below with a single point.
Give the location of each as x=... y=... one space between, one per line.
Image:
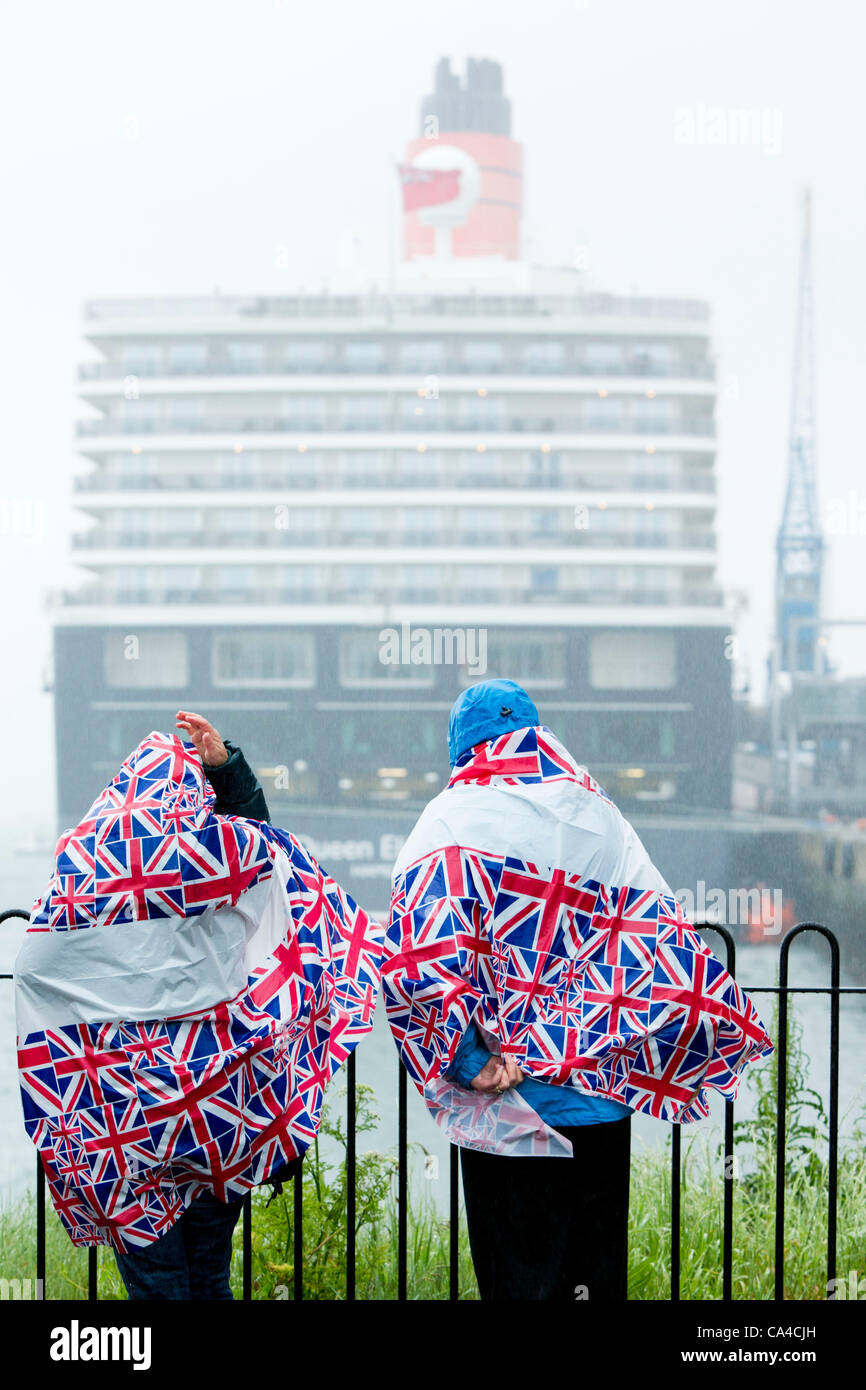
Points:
x=179 y=147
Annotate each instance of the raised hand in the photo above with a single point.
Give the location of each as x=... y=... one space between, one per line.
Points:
x=208 y=743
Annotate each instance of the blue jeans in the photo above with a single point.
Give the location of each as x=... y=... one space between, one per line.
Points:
x=192 y=1259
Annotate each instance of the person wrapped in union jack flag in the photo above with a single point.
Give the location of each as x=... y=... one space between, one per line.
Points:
x=541 y=984
x=187 y=987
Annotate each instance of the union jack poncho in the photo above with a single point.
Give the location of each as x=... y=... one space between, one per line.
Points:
x=187 y=987
x=524 y=901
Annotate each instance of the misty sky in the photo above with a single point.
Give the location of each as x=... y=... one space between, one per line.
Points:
x=175 y=147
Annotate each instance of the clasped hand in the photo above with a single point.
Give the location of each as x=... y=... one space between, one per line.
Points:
x=497 y=1075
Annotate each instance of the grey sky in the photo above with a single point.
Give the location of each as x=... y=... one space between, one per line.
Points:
x=173 y=147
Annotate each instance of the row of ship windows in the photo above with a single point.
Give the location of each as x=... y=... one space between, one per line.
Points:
x=391 y=657
x=421 y=354
x=486 y=410
x=419 y=467
x=491 y=522
x=360 y=577
x=241 y=459
x=344 y=753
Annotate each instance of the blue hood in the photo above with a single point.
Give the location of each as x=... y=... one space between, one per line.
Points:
x=485 y=711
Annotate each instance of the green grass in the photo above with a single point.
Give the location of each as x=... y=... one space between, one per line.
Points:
x=324 y=1226
x=428 y=1237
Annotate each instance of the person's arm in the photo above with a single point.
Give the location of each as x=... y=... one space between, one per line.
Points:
x=469 y=1059
x=238 y=792
x=233 y=780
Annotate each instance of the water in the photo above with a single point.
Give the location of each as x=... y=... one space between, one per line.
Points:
x=22 y=879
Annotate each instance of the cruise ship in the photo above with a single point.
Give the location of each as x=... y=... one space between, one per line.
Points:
x=315 y=518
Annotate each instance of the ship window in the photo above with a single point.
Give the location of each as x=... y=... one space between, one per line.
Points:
x=234 y=579
x=479 y=412
x=361 y=521
x=645 y=359
x=602 y=411
x=483 y=355
x=540 y=357
x=419 y=522
x=236 y=521
x=544 y=523
x=421 y=581
x=362 y=357
x=245 y=357
x=603 y=357
x=363 y=466
x=610 y=737
x=304 y=354
x=480 y=523
x=382 y=657
x=139 y=411
x=185 y=410
x=416 y=468
x=362 y=412
x=544 y=579
x=264 y=658
x=141 y=358
x=413 y=411
x=422 y=355
x=657 y=413
x=478 y=581
x=187 y=357
x=632 y=660
x=157 y=660
x=536 y=660
x=408 y=737
x=301 y=581
x=303 y=410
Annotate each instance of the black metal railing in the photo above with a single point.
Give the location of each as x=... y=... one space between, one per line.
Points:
x=783 y=990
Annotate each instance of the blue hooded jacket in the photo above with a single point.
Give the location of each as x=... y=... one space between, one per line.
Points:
x=481 y=713
x=485 y=711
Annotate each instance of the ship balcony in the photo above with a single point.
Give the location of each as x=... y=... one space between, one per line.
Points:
x=323 y=480
x=643 y=369
x=491 y=428
x=272 y=538
x=691 y=596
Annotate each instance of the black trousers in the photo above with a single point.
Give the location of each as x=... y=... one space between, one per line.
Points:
x=554 y=1229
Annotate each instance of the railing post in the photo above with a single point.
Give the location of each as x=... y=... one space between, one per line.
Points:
x=728 y=1148
x=833 y=1149
x=728 y=1206
x=781 y=1103
x=351 y=1195
x=402 y=1186
x=298 y=1233
x=454 y=1223
x=676 y=1155
x=246 y=1247
x=40 y=1227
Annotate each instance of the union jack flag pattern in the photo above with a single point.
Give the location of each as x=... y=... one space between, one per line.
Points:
x=525 y=902
x=187 y=987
